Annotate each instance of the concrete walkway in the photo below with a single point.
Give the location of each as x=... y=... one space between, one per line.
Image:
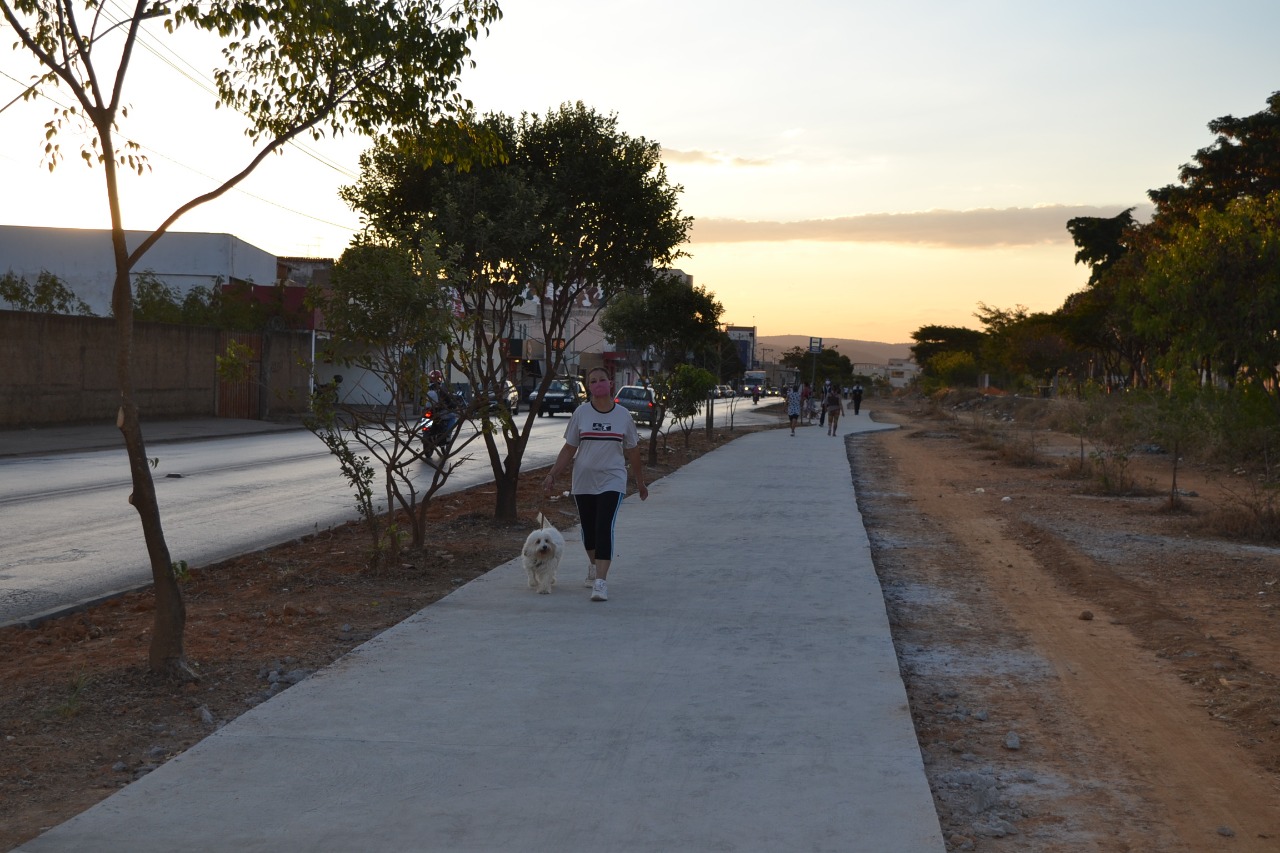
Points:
x=738 y=692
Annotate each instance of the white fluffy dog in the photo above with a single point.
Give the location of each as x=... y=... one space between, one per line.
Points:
x=542 y=552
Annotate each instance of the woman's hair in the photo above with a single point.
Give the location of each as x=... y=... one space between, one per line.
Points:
x=599 y=370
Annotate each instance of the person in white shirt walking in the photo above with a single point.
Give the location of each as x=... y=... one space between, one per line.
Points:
x=794 y=401
x=599 y=441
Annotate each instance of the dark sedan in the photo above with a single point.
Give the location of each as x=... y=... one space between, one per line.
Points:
x=563 y=395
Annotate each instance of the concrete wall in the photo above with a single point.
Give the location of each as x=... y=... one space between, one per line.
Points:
x=56 y=369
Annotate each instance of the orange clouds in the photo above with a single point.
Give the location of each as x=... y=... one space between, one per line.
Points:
x=1014 y=226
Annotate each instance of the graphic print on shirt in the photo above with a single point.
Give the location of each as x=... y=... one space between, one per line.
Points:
x=602 y=431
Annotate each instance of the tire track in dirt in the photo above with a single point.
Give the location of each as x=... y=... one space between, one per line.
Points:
x=1122 y=751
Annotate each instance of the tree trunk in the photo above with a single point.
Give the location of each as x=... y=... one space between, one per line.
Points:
x=505 y=506
x=506 y=472
x=167 y=655
x=166 y=652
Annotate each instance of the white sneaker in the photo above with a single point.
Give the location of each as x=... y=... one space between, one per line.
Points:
x=600 y=591
x=591 y=577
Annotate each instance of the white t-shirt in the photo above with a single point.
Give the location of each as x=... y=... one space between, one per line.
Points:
x=600 y=465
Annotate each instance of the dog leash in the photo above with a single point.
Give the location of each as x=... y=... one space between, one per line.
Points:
x=541 y=515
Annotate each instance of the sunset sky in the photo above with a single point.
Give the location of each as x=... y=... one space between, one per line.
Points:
x=855 y=169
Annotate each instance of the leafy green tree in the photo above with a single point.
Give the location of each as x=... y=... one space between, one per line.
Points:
x=1101 y=241
x=324 y=66
x=1243 y=162
x=952 y=370
x=932 y=340
x=573 y=212
x=1096 y=322
x=1176 y=417
x=683 y=392
x=828 y=364
x=1028 y=348
x=50 y=295
x=156 y=302
x=1213 y=290
x=480 y=220
x=679 y=322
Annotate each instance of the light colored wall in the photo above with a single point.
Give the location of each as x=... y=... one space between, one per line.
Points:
x=82 y=258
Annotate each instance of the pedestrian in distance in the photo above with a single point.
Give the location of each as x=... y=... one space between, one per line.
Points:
x=857 y=397
x=831 y=406
x=599 y=441
x=794 y=402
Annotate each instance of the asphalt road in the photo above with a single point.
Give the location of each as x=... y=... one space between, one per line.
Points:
x=69 y=536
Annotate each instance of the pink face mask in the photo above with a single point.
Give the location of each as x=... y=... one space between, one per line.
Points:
x=600 y=388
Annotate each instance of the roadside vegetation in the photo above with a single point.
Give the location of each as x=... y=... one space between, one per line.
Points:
x=1227 y=431
x=1174 y=342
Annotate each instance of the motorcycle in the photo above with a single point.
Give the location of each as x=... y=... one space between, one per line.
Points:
x=755 y=395
x=437 y=431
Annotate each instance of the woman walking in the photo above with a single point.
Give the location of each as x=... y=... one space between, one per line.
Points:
x=794 y=402
x=600 y=439
x=831 y=406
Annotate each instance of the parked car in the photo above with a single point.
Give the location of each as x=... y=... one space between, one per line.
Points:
x=639 y=400
x=563 y=395
x=506 y=395
x=723 y=391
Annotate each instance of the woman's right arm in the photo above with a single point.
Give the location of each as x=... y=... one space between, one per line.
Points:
x=563 y=460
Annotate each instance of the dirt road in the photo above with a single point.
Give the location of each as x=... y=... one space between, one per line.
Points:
x=1086 y=671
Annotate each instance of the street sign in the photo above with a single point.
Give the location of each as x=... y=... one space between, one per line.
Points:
x=815 y=346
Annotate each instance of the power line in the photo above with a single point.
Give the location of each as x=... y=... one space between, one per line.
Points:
x=247 y=193
x=196 y=76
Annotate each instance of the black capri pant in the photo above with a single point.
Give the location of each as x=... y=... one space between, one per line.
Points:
x=598 y=514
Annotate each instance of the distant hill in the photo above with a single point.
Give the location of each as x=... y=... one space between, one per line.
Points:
x=871 y=352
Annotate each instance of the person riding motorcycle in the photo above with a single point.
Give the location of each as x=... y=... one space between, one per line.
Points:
x=443 y=405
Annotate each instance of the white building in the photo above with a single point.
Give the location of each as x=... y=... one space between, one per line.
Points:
x=901 y=372
x=82 y=258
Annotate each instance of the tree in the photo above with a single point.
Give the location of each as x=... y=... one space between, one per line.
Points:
x=382 y=66
x=684 y=390
x=1243 y=162
x=1020 y=346
x=829 y=364
x=572 y=213
x=1213 y=289
x=1101 y=241
x=678 y=321
x=951 y=369
x=157 y=302
x=50 y=295
x=1176 y=416
x=389 y=317
x=932 y=340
